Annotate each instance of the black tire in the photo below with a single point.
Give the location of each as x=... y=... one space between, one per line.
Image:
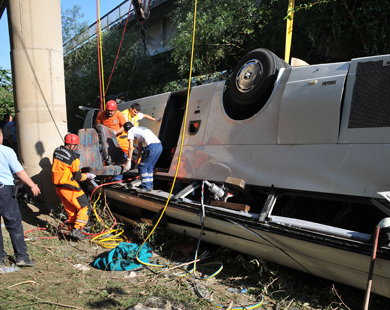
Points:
x=253 y=78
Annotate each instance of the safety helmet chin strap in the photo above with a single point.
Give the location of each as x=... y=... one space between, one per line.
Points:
x=69 y=146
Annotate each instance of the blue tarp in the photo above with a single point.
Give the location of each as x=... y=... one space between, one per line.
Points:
x=122 y=257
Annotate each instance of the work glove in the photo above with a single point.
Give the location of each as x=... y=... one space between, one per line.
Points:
x=90 y=176
x=128 y=164
x=158 y=119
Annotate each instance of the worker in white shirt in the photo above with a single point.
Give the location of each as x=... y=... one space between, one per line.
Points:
x=150 y=155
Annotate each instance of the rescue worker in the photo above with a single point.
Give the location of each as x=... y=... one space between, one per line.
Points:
x=150 y=155
x=134 y=115
x=66 y=176
x=114 y=119
x=9 y=208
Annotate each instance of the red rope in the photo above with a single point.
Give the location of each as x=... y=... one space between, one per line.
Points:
x=101 y=185
x=150 y=1
x=120 y=44
x=38 y=238
x=87 y=234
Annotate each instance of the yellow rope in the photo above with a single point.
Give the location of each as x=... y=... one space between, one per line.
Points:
x=289 y=27
x=108 y=242
x=101 y=56
x=108 y=239
x=94 y=208
x=181 y=143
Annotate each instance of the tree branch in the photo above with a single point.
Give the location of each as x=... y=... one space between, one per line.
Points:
x=358 y=30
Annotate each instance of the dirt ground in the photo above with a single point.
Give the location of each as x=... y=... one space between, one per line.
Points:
x=63 y=277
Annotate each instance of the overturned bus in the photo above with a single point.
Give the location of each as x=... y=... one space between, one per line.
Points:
x=289 y=161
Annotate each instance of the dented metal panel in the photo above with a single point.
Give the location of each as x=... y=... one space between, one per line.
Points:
x=156 y=100
x=310 y=107
x=160 y=99
x=156 y=112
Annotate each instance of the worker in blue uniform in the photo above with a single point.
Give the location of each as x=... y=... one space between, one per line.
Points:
x=9 y=207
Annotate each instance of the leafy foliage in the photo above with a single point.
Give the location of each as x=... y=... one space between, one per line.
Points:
x=6 y=93
x=330 y=31
x=225 y=30
x=136 y=73
x=323 y=31
x=72 y=28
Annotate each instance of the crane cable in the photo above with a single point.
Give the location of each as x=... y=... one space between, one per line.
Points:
x=181 y=142
x=173 y=184
x=289 y=27
x=102 y=240
x=105 y=237
x=100 y=56
x=98 y=52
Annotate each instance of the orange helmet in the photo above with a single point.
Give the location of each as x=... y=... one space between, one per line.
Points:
x=111 y=105
x=71 y=138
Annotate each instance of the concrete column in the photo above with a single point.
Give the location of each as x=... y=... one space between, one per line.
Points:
x=39 y=88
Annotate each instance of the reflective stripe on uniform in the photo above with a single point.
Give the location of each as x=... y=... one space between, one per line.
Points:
x=146 y=177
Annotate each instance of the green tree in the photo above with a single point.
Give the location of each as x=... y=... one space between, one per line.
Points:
x=136 y=73
x=73 y=29
x=225 y=30
x=346 y=29
x=323 y=31
x=6 y=93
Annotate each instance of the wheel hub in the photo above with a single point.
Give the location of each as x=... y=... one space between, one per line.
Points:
x=248 y=76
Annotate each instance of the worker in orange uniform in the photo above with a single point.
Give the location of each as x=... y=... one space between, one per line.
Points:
x=66 y=176
x=114 y=119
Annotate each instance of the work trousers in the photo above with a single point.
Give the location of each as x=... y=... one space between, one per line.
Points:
x=9 y=210
x=77 y=206
x=145 y=168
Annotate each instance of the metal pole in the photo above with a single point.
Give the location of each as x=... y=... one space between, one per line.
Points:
x=371 y=272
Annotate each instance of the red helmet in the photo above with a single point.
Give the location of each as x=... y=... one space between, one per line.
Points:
x=111 y=105
x=71 y=138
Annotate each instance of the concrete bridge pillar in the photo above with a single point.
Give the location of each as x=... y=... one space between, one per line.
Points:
x=39 y=88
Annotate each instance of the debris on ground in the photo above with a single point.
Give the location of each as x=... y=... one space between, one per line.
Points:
x=6 y=269
x=155 y=303
x=59 y=260
x=81 y=267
